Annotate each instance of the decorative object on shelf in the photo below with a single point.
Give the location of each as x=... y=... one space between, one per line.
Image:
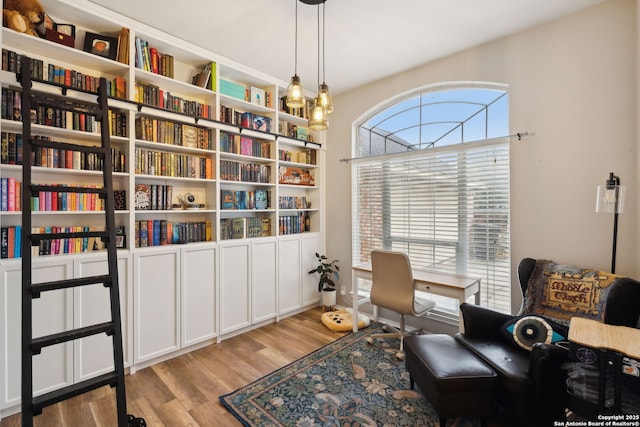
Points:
x=66 y=29
x=23 y=16
x=610 y=199
x=295 y=91
x=121 y=237
x=189 y=200
x=100 y=45
x=327 y=270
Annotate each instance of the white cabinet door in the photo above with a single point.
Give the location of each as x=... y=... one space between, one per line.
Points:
x=311 y=245
x=234 y=286
x=263 y=280
x=198 y=310
x=157 y=301
x=94 y=355
x=52 y=312
x=289 y=277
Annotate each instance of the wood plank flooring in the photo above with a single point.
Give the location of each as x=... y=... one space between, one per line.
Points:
x=184 y=391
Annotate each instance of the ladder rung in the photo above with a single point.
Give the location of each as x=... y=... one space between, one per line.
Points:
x=44 y=400
x=74 y=334
x=36 y=288
x=67 y=189
x=70 y=235
x=69 y=146
x=64 y=102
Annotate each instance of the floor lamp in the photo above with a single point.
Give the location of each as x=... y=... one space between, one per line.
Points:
x=610 y=199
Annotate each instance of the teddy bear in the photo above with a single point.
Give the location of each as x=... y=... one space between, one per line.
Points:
x=23 y=16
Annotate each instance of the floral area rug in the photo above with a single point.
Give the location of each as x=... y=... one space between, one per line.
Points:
x=346 y=383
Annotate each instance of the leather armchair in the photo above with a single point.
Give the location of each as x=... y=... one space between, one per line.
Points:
x=532 y=385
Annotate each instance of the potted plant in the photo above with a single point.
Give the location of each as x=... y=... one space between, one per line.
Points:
x=329 y=271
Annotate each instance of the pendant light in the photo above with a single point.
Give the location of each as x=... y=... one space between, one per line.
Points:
x=295 y=92
x=323 y=91
x=318 y=114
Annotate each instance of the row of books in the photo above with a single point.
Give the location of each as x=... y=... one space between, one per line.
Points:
x=245 y=172
x=240 y=228
x=10 y=195
x=11 y=242
x=302 y=112
x=153 y=197
x=241 y=199
x=206 y=77
x=11 y=153
x=48 y=115
x=307 y=157
x=66 y=201
x=238 y=144
x=171 y=133
x=149 y=59
x=293 y=224
x=159 y=163
x=159 y=232
x=292 y=202
x=245 y=119
x=149 y=94
x=12 y=62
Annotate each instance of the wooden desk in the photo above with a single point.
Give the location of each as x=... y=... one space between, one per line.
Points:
x=444 y=284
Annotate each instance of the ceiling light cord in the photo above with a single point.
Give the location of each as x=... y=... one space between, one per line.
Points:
x=295 y=54
x=323 y=38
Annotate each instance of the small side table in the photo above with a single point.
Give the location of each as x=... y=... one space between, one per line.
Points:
x=601 y=345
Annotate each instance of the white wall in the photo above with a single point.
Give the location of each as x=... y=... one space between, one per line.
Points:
x=573 y=83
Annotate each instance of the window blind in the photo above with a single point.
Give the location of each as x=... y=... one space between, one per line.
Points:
x=447 y=208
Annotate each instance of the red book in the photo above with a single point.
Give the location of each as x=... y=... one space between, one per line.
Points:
x=11 y=242
x=150 y=233
x=67 y=77
x=153 y=52
x=68 y=161
x=18 y=192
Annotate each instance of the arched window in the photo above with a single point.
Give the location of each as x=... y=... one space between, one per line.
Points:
x=431 y=178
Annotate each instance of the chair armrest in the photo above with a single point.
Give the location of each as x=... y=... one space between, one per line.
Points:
x=549 y=379
x=482 y=322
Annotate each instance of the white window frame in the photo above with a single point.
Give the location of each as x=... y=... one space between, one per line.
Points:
x=484 y=217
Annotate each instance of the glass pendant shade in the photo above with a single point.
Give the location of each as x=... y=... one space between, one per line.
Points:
x=325 y=98
x=318 y=116
x=295 y=93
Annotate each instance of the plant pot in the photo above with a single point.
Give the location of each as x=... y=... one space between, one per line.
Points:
x=328 y=298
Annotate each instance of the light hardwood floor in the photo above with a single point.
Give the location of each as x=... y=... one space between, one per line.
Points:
x=184 y=391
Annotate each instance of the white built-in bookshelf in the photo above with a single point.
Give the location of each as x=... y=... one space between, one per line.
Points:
x=221 y=198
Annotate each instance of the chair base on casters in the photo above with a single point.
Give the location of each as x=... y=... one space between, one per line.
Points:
x=395 y=333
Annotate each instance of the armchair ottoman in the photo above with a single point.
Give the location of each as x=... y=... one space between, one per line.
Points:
x=453 y=379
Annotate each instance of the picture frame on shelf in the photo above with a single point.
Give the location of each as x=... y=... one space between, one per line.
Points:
x=67 y=29
x=100 y=45
x=121 y=238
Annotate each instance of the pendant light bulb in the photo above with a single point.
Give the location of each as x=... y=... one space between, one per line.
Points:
x=318 y=115
x=326 y=101
x=295 y=93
